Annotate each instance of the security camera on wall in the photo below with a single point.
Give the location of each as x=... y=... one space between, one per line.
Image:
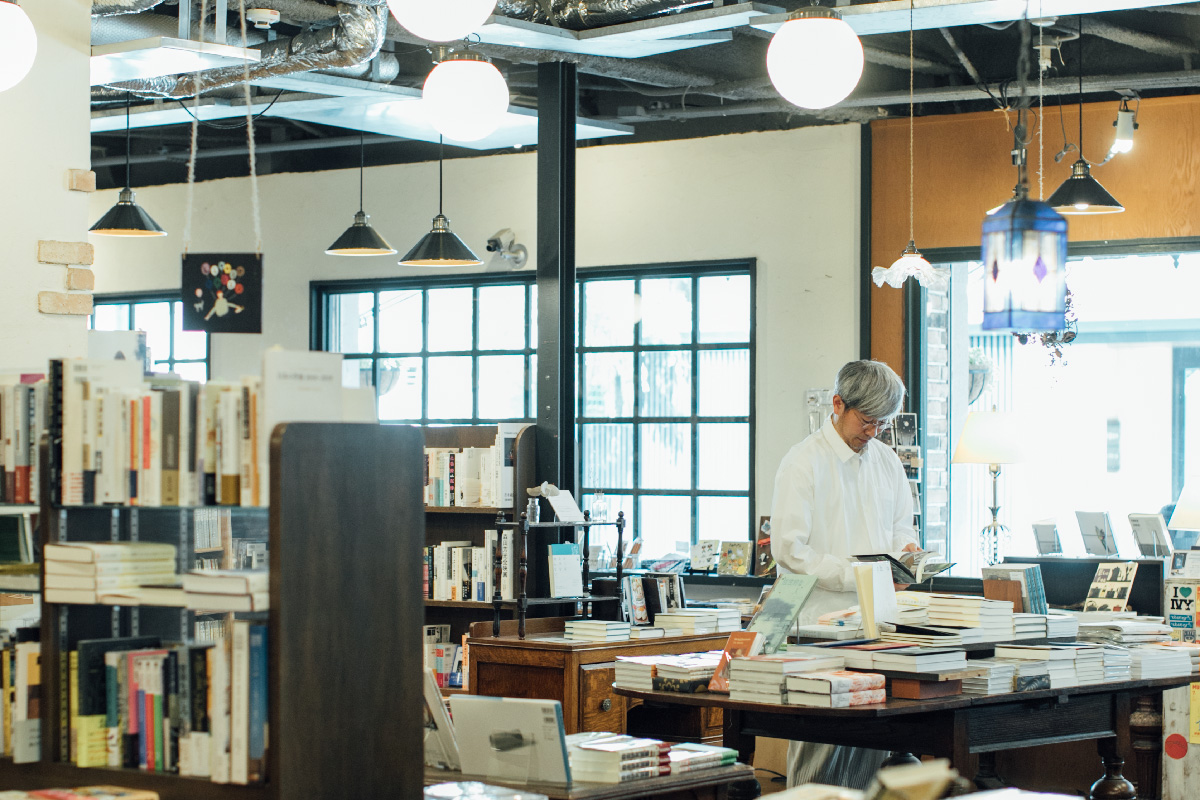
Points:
x=507 y=253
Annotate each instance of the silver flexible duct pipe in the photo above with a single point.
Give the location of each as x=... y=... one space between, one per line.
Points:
x=581 y=14
x=356 y=39
x=126 y=28
x=112 y=8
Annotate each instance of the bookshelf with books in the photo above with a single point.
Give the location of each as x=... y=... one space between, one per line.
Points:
x=468 y=525
x=344 y=528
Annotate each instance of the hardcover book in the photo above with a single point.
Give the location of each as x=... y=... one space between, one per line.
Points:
x=739 y=645
x=736 y=558
x=780 y=608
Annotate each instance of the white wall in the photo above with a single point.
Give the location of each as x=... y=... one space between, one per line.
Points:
x=789 y=199
x=52 y=136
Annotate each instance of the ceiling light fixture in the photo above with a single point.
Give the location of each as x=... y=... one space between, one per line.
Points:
x=1081 y=193
x=127 y=218
x=1126 y=124
x=442 y=20
x=465 y=96
x=360 y=239
x=1024 y=242
x=815 y=59
x=18 y=44
x=910 y=263
x=440 y=247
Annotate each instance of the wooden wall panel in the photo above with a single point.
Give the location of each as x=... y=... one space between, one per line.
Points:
x=963 y=168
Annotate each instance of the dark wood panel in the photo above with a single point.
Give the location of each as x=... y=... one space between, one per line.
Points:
x=1009 y=725
x=600 y=709
x=527 y=680
x=347 y=524
x=1067 y=580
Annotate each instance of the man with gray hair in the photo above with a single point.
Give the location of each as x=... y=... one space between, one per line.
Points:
x=839 y=493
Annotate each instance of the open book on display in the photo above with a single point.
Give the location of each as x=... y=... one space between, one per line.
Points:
x=911 y=567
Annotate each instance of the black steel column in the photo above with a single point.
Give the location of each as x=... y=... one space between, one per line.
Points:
x=557 y=99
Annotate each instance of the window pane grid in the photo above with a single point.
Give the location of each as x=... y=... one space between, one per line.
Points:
x=162 y=315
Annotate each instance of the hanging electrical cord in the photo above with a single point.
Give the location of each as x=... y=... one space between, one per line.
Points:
x=1041 y=141
x=191 y=172
x=226 y=126
x=255 y=211
x=1068 y=146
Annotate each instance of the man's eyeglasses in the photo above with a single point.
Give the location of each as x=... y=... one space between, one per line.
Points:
x=880 y=425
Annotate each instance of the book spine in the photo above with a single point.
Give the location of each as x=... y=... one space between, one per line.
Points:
x=171 y=446
x=22 y=432
x=219 y=711
x=258 y=704
x=239 y=703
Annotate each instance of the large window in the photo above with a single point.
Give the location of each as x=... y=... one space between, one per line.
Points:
x=1114 y=421
x=172 y=349
x=664 y=369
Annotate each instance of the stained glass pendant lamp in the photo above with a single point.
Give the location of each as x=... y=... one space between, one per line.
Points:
x=127 y=218
x=18 y=44
x=360 y=239
x=440 y=247
x=1081 y=193
x=1024 y=246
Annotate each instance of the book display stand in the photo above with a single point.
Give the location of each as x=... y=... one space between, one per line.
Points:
x=345 y=527
x=523 y=600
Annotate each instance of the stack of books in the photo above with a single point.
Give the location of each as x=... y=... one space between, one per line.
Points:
x=227 y=590
x=1159 y=662
x=1030 y=675
x=920 y=659
x=1117 y=663
x=1060 y=661
x=1029 y=626
x=930 y=636
x=616 y=758
x=596 y=630
x=998 y=680
x=835 y=689
x=1191 y=648
x=1125 y=632
x=636 y=672
x=729 y=619
x=688 y=622
x=994 y=617
x=1062 y=626
x=644 y=632
x=690 y=672
x=762 y=679
x=1089 y=664
x=687 y=757
x=83 y=572
x=913 y=608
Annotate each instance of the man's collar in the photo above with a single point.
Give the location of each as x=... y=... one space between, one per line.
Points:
x=840 y=448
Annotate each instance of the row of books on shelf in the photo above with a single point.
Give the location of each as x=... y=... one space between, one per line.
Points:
x=158 y=440
x=140 y=703
x=460 y=571
x=447 y=659
x=81 y=793
x=22 y=419
x=473 y=476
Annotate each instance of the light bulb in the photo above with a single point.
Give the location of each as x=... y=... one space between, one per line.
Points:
x=442 y=20
x=1125 y=126
x=815 y=60
x=465 y=98
x=18 y=45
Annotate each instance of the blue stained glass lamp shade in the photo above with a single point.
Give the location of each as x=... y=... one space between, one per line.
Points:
x=1025 y=256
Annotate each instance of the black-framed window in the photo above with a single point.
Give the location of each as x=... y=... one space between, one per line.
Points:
x=1110 y=428
x=160 y=315
x=665 y=388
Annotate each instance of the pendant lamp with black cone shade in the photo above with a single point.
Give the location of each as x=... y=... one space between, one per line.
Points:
x=360 y=239
x=440 y=247
x=1081 y=193
x=127 y=218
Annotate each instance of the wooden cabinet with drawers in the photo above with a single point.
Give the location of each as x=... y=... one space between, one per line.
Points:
x=577 y=674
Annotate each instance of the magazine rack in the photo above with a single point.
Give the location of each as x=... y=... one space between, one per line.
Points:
x=523 y=600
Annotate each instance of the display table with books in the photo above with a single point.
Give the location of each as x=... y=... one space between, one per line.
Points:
x=955 y=727
x=705 y=784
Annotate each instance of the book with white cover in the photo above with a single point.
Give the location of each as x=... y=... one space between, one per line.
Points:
x=1096 y=528
x=876 y=596
x=511 y=738
x=77 y=372
x=226 y=581
x=1150 y=533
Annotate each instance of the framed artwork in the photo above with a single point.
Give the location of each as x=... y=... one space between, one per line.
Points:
x=222 y=292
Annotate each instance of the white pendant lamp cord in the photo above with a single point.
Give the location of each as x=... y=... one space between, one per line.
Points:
x=362 y=165
x=911 y=202
x=441 y=156
x=1041 y=176
x=191 y=173
x=128 y=139
x=1081 y=158
x=250 y=141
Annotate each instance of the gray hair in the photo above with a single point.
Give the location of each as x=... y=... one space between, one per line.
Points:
x=872 y=388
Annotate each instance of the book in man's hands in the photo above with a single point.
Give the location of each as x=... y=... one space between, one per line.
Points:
x=911 y=567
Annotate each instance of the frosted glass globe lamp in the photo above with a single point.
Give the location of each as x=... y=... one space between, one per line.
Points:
x=815 y=59
x=465 y=97
x=18 y=44
x=442 y=20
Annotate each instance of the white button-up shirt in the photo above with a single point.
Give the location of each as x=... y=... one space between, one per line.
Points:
x=832 y=503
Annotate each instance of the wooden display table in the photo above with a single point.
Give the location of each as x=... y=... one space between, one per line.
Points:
x=577 y=674
x=702 y=784
x=949 y=727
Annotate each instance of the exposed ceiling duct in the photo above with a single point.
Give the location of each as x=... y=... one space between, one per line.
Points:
x=356 y=39
x=582 y=14
x=112 y=8
x=127 y=27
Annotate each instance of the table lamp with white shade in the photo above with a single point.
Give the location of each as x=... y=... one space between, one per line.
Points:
x=992 y=438
x=1186 y=516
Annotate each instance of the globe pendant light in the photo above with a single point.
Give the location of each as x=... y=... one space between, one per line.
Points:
x=1024 y=244
x=1081 y=193
x=442 y=20
x=360 y=239
x=18 y=44
x=440 y=247
x=127 y=218
x=815 y=59
x=465 y=96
